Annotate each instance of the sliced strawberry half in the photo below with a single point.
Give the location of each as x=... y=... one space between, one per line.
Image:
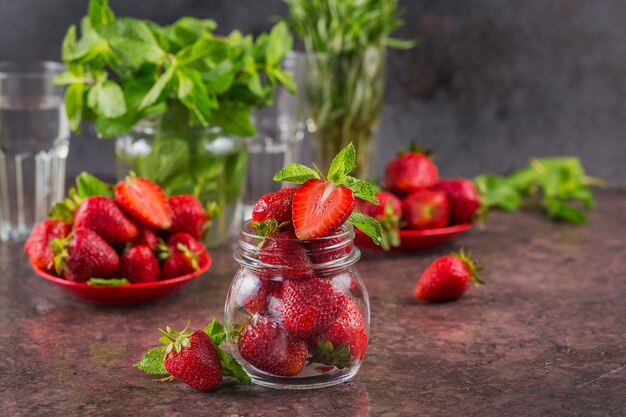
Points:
x=145 y=201
x=320 y=207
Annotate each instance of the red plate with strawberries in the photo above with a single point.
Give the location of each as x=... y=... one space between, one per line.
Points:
x=415 y=240
x=123 y=294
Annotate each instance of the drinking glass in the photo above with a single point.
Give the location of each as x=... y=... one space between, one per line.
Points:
x=34 y=142
x=280 y=129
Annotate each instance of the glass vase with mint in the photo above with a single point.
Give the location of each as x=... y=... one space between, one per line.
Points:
x=346 y=41
x=178 y=99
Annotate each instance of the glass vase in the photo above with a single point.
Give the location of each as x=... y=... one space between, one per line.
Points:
x=202 y=161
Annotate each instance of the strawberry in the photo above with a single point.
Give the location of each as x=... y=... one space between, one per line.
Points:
x=284 y=249
x=145 y=201
x=255 y=291
x=266 y=344
x=329 y=248
x=389 y=213
x=188 y=215
x=83 y=255
x=192 y=358
x=463 y=197
x=447 y=278
x=320 y=207
x=275 y=206
x=311 y=305
x=426 y=209
x=138 y=264
x=344 y=342
x=37 y=246
x=409 y=172
x=184 y=256
x=146 y=237
x=104 y=217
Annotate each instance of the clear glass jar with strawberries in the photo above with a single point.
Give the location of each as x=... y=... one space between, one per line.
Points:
x=297 y=312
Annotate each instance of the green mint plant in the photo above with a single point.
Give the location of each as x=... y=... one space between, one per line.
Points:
x=122 y=70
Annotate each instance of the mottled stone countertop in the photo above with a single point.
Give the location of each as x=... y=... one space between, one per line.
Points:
x=545 y=336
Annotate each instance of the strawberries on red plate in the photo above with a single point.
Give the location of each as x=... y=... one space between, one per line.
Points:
x=145 y=201
x=37 y=246
x=104 y=217
x=410 y=172
x=188 y=215
x=138 y=264
x=426 y=209
x=463 y=198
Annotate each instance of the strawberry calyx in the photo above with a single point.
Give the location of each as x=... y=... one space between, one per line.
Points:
x=268 y=228
x=59 y=248
x=391 y=223
x=65 y=209
x=174 y=340
x=325 y=353
x=472 y=267
x=415 y=148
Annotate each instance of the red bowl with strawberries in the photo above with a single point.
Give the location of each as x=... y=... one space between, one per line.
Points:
x=415 y=240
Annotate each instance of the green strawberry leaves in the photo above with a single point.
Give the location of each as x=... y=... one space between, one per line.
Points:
x=327 y=354
x=339 y=171
x=88 y=185
x=152 y=361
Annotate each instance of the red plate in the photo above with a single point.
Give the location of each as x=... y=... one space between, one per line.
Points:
x=126 y=294
x=415 y=240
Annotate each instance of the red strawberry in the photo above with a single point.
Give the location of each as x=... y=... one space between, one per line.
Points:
x=447 y=278
x=463 y=197
x=192 y=358
x=188 y=215
x=186 y=255
x=426 y=209
x=145 y=201
x=311 y=305
x=344 y=342
x=320 y=207
x=139 y=264
x=284 y=249
x=409 y=172
x=274 y=206
x=83 y=255
x=104 y=217
x=37 y=246
x=388 y=212
x=146 y=237
x=329 y=248
x=255 y=291
x=266 y=344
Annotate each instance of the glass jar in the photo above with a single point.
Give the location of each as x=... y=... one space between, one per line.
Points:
x=297 y=311
x=183 y=159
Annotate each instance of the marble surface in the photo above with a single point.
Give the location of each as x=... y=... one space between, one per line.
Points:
x=545 y=336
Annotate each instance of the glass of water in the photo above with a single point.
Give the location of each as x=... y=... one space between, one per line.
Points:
x=280 y=129
x=34 y=142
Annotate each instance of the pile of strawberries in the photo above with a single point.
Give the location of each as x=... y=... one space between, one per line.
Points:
x=132 y=232
x=417 y=198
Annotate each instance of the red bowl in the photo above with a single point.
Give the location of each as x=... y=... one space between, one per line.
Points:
x=415 y=240
x=125 y=294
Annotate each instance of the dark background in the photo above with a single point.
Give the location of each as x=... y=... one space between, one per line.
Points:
x=491 y=84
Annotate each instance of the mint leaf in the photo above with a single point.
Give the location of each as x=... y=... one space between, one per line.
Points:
x=220 y=78
x=211 y=49
x=342 y=164
x=107 y=99
x=193 y=94
x=495 y=191
x=87 y=185
x=134 y=40
x=216 y=332
x=68 y=47
x=152 y=362
x=166 y=159
x=234 y=119
x=100 y=14
x=74 y=105
x=158 y=87
x=367 y=225
x=279 y=43
x=363 y=189
x=67 y=78
x=108 y=282
x=231 y=367
x=284 y=78
x=296 y=173
x=400 y=43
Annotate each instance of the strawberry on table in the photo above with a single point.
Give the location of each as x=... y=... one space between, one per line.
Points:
x=145 y=201
x=322 y=204
x=344 y=342
x=194 y=357
x=447 y=278
x=426 y=209
x=275 y=206
x=463 y=197
x=411 y=171
x=188 y=215
x=37 y=246
x=138 y=264
x=266 y=344
x=311 y=306
x=104 y=217
x=83 y=255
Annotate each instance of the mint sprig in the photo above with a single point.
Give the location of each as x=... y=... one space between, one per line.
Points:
x=108 y=282
x=338 y=173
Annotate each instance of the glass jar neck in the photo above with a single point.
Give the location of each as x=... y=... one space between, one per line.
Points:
x=321 y=255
